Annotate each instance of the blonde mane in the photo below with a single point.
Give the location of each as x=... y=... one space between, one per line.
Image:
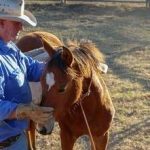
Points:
x=87 y=56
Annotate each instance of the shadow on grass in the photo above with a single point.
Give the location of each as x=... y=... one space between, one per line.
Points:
x=126 y=73
x=118 y=137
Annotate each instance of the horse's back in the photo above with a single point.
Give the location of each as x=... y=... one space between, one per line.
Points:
x=33 y=41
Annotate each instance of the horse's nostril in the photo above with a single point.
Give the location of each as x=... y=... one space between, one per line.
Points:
x=43 y=131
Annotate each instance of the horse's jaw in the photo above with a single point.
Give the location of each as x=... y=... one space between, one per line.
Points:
x=60 y=115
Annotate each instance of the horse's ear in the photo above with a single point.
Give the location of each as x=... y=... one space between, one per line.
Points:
x=67 y=56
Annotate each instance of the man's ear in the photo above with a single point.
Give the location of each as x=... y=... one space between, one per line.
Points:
x=67 y=56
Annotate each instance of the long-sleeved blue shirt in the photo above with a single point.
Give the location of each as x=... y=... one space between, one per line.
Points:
x=16 y=70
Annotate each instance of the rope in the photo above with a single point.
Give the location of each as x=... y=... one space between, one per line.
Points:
x=83 y=112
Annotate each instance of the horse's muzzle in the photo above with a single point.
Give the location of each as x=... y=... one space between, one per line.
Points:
x=47 y=128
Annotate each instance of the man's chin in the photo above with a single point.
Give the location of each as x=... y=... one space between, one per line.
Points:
x=14 y=38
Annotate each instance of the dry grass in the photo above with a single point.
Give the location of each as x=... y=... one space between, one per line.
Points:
x=123 y=34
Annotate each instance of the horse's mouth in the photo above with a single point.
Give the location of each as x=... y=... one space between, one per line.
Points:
x=47 y=128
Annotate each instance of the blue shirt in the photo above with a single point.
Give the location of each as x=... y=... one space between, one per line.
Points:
x=16 y=70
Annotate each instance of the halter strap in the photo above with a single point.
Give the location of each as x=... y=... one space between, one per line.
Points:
x=83 y=112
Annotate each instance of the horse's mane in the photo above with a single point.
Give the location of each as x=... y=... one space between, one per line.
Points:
x=87 y=56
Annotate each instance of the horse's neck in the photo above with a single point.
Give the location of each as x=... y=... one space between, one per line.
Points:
x=95 y=84
x=98 y=84
x=89 y=102
x=97 y=90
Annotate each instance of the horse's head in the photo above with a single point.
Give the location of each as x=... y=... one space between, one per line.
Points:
x=60 y=84
x=67 y=76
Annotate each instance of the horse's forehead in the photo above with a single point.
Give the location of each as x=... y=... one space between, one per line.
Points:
x=50 y=80
x=54 y=75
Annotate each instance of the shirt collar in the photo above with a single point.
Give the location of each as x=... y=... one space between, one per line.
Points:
x=5 y=47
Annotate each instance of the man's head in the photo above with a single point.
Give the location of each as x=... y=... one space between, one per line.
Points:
x=12 y=17
x=9 y=30
x=14 y=10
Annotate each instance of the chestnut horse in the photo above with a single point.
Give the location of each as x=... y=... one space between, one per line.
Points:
x=73 y=85
x=74 y=70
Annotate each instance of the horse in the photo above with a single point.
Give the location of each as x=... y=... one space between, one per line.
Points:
x=73 y=85
x=28 y=42
x=33 y=40
x=78 y=92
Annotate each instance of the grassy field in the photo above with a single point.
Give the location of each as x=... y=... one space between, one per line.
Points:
x=122 y=32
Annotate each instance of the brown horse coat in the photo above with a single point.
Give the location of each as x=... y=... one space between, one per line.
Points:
x=71 y=82
x=33 y=41
x=74 y=68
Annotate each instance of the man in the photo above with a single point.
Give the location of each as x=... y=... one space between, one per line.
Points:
x=16 y=70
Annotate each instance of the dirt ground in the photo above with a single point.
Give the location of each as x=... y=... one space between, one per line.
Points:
x=122 y=32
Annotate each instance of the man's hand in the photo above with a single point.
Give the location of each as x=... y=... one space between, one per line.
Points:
x=36 y=113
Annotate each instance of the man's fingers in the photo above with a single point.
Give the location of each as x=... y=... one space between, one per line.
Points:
x=42 y=113
x=43 y=120
x=47 y=109
x=44 y=109
x=45 y=115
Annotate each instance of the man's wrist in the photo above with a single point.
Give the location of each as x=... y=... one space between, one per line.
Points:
x=12 y=115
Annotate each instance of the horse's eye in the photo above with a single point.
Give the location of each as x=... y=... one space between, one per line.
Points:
x=62 y=89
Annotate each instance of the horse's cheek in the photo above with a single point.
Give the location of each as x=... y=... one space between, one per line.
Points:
x=51 y=101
